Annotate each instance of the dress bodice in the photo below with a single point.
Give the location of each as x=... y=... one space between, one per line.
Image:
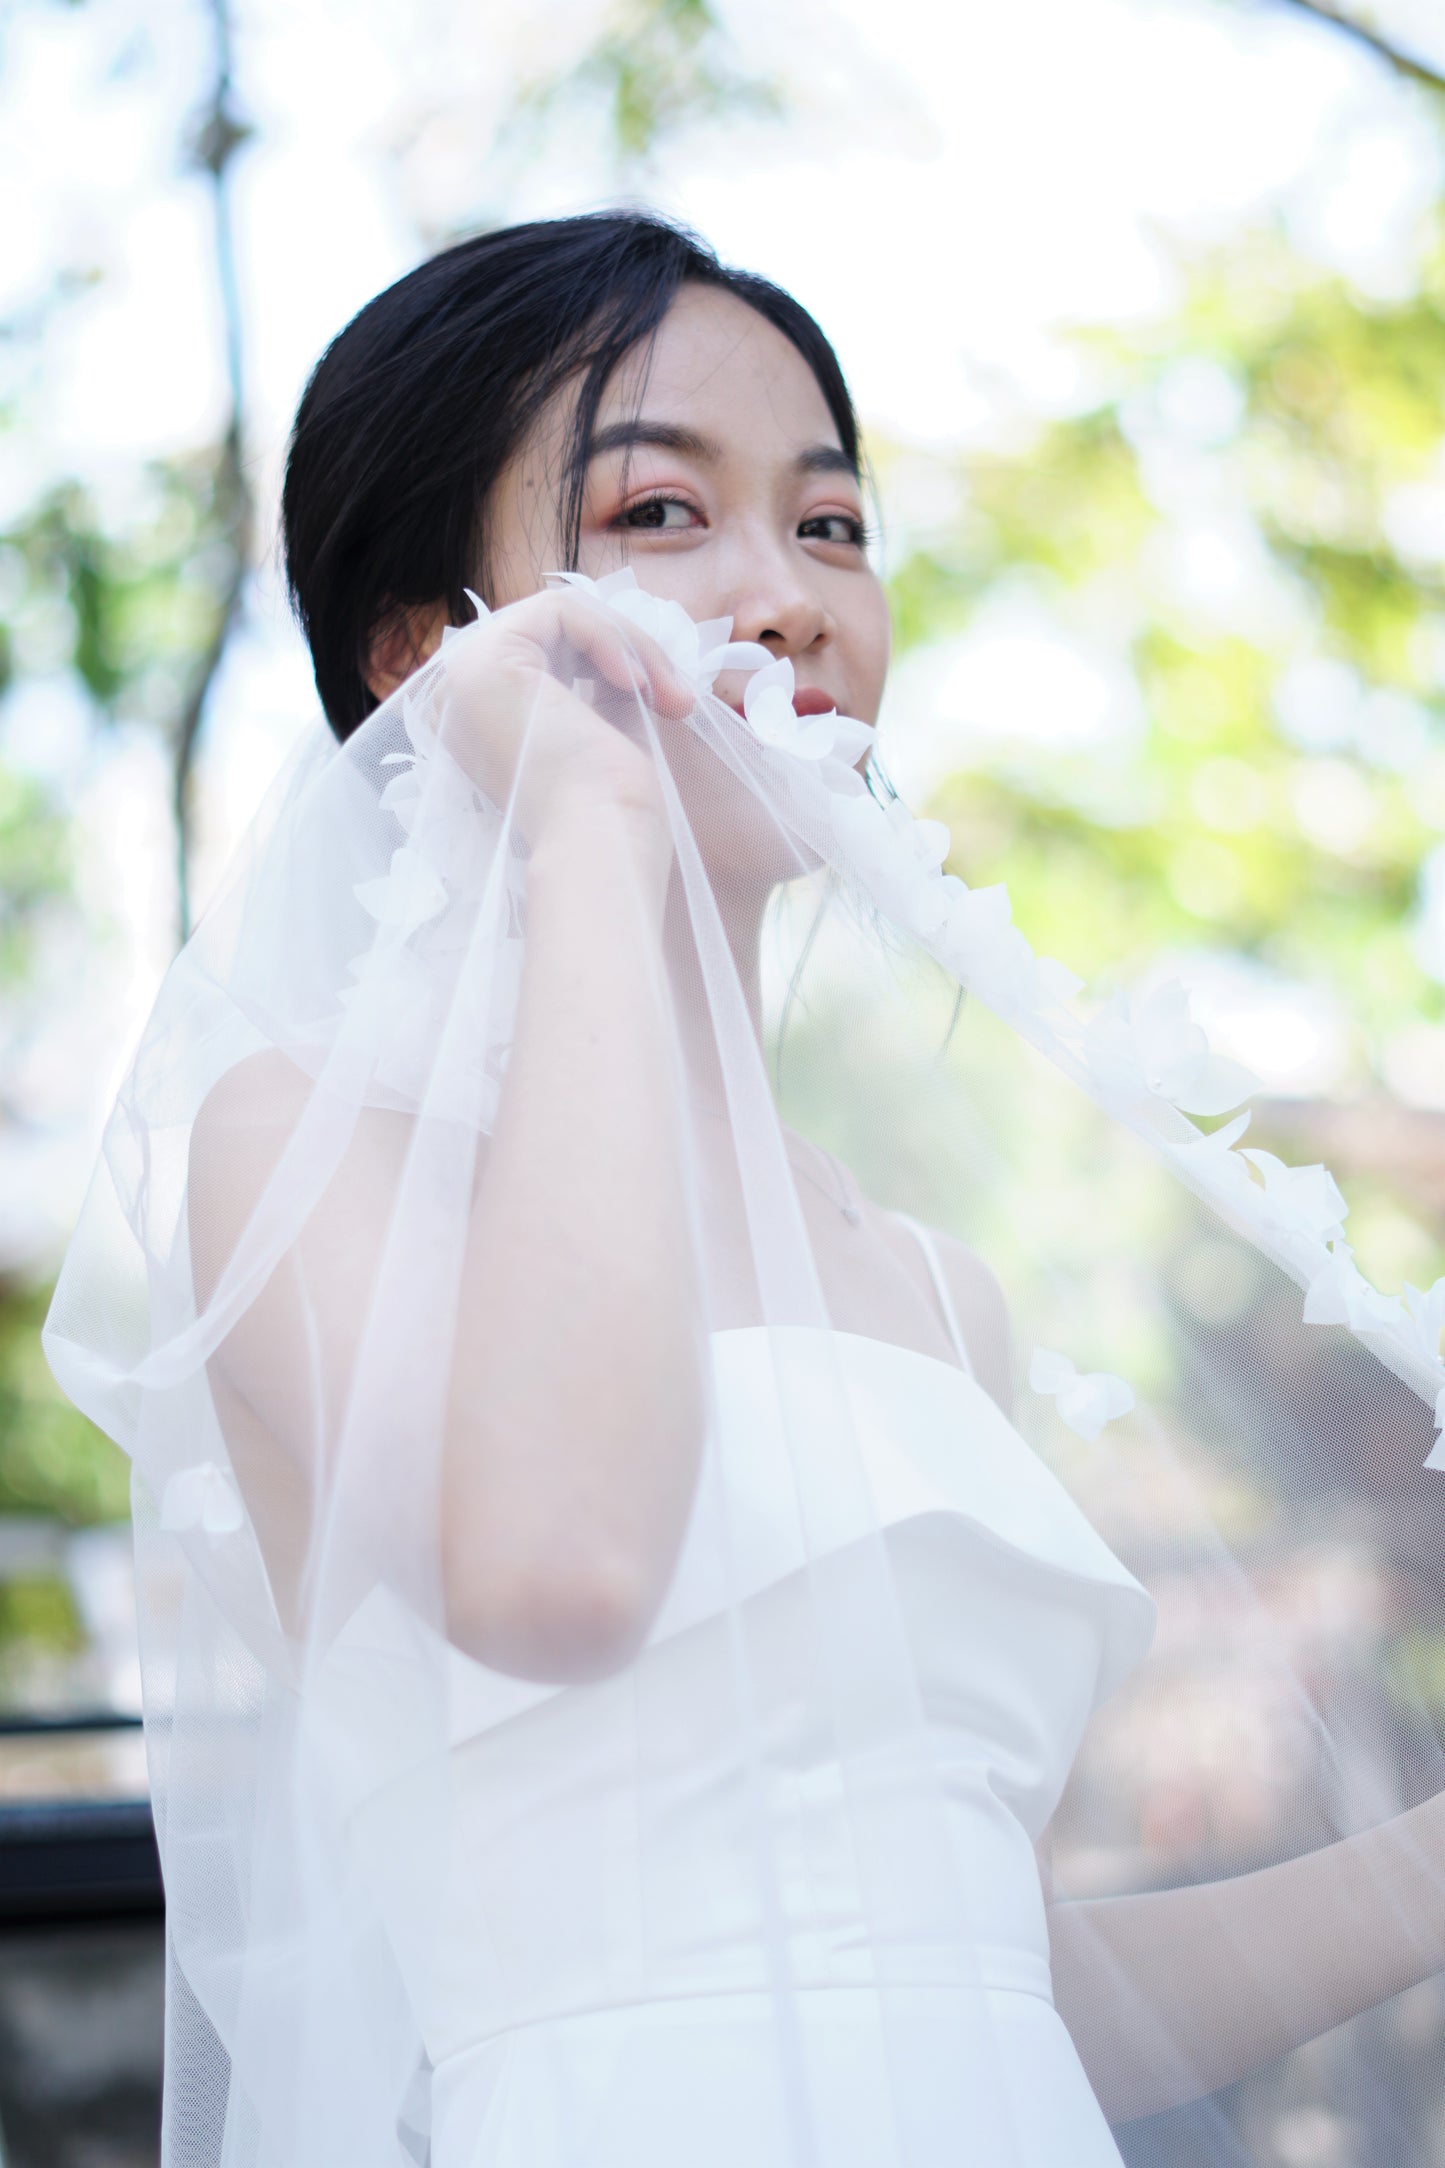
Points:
x=601 y=1845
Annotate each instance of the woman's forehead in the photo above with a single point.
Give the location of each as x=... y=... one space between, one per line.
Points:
x=717 y=367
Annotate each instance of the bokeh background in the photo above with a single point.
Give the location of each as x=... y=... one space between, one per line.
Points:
x=1143 y=302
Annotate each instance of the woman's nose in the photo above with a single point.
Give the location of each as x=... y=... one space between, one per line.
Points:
x=779 y=610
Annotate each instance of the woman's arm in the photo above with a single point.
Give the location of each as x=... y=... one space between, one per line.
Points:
x=577 y=1396
x=575 y=1404
x=1170 y=1995
x=1173 y=1994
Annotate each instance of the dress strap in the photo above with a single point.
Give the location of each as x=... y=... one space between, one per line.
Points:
x=940 y=1285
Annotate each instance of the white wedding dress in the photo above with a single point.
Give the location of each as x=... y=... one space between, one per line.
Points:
x=598 y=1995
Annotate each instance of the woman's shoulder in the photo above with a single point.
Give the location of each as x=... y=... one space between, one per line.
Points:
x=259 y=1100
x=239 y=1133
x=981 y=1308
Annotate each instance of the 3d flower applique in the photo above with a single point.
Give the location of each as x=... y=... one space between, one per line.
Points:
x=439 y=812
x=1305 y=1199
x=1086 y=1400
x=202 y=1497
x=1339 y=1294
x=979 y=942
x=454 y=632
x=696 y=651
x=1290 y=1200
x=769 y=711
x=1150 y=1044
x=899 y=859
x=407 y=896
x=1208 y=1158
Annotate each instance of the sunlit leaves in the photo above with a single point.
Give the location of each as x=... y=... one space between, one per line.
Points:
x=1073 y=504
x=1277 y=412
x=657 y=67
x=52 y=1460
x=34 y=856
x=125 y=597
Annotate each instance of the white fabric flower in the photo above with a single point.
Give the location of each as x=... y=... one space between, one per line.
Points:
x=980 y=943
x=1303 y=1198
x=407 y=986
x=1212 y=1164
x=1086 y=1400
x=1150 y=1044
x=439 y=808
x=697 y=652
x=898 y=858
x=768 y=707
x=1292 y=1200
x=971 y=930
x=454 y=632
x=407 y=896
x=1339 y=1294
x=202 y=1497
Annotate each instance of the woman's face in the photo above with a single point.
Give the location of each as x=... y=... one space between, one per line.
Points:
x=717 y=474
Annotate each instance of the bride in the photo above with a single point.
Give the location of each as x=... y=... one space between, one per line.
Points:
x=613 y=1660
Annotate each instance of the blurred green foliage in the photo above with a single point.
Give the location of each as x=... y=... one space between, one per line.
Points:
x=1279 y=779
x=34 y=868
x=52 y=1460
x=125 y=595
x=120 y=599
x=37 y=1615
x=660 y=66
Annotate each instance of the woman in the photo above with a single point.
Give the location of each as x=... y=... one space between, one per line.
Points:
x=613 y=1659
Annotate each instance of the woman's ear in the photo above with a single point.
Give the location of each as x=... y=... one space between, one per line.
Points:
x=401 y=641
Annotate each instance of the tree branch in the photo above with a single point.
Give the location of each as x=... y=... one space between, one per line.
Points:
x=217 y=141
x=1410 y=65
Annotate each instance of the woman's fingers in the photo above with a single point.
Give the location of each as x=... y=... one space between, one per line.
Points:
x=629 y=659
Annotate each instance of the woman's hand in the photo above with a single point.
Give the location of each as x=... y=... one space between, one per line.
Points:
x=511 y=719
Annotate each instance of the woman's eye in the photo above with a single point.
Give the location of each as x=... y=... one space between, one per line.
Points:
x=655 y=513
x=845 y=528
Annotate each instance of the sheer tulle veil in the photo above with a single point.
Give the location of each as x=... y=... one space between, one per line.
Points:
x=1190 y=1510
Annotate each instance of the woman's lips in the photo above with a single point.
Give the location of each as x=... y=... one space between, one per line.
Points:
x=807 y=700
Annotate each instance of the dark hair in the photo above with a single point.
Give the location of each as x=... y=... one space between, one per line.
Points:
x=415 y=408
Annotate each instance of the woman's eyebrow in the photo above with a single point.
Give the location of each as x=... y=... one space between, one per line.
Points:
x=692 y=444
x=826 y=459
x=665 y=436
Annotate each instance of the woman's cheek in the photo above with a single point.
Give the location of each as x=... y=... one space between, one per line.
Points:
x=873 y=633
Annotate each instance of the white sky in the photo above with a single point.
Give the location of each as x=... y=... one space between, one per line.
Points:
x=956 y=182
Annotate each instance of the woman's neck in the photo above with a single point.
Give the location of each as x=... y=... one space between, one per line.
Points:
x=737 y=926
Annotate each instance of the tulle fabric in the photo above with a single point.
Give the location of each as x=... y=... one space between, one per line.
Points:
x=768 y=1886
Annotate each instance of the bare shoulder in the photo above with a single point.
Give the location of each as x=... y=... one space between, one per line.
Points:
x=258 y=1101
x=983 y=1315
x=241 y=1130
x=238 y=1135
x=261 y=1091
x=254 y=1100
x=241 y=1125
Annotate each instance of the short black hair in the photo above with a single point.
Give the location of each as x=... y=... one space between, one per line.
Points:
x=416 y=407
